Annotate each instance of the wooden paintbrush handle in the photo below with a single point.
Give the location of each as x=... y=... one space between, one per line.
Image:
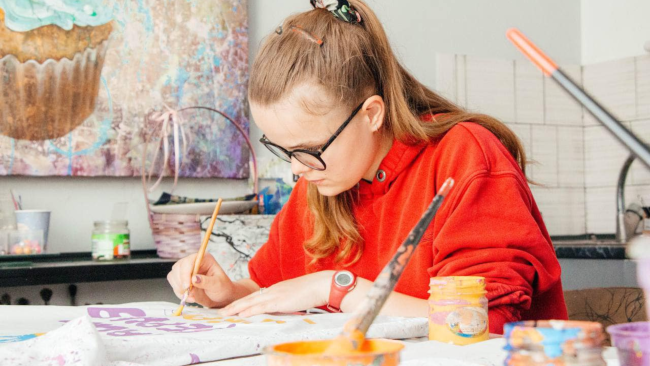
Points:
x=206 y=239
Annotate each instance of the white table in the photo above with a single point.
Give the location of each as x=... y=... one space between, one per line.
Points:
x=431 y=353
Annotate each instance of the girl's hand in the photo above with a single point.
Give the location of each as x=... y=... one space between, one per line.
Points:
x=212 y=287
x=297 y=294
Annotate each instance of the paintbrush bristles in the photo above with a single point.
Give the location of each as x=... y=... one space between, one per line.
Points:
x=179 y=310
x=199 y=255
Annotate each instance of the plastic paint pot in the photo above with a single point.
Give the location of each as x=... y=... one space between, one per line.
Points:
x=374 y=352
x=643 y=278
x=632 y=341
x=458 y=310
x=554 y=342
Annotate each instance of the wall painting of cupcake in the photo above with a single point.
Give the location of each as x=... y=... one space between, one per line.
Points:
x=79 y=77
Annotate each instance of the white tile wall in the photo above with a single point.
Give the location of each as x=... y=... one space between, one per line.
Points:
x=529 y=93
x=601 y=206
x=604 y=157
x=571 y=157
x=601 y=210
x=575 y=158
x=491 y=87
x=612 y=84
x=560 y=108
x=545 y=148
x=563 y=209
x=638 y=193
x=524 y=133
x=639 y=173
x=643 y=87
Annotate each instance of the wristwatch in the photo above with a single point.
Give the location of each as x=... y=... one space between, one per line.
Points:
x=342 y=283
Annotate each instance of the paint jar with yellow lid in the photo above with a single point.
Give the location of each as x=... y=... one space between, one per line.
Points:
x=458 y=310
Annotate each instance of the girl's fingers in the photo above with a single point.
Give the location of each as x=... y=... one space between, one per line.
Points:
x=244 y=303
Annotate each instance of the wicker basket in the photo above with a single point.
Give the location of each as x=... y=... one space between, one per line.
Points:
x=176 y=236
x=179 y=235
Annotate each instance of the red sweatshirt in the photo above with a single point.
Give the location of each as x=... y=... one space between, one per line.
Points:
x=488 y=226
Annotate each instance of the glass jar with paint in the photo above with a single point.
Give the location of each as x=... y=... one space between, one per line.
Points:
x=458 y=310
x=554 y=343
x=638 y=249
x=632 y=342
x=111 y=240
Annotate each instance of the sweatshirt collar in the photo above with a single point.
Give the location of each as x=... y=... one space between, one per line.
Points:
x=399 y=157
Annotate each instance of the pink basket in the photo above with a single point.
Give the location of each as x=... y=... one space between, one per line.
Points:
x=179 y=235
x=176 y=236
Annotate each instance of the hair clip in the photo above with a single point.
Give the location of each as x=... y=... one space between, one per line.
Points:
x=306 y=34
x=341 y=9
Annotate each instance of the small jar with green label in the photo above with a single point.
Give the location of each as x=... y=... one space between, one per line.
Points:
x=111 y=240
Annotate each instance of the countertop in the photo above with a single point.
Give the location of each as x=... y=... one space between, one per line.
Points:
x=79 y=267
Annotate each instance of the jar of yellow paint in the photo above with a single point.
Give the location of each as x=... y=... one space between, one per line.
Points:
x=458 y=310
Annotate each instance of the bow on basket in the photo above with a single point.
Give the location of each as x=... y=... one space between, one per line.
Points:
x=171 y=126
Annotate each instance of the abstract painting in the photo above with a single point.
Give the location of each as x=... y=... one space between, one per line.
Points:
x=83 y=107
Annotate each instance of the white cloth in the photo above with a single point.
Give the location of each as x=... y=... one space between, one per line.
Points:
x=148 y=334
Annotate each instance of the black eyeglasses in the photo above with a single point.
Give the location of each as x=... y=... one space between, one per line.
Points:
x=310 y=158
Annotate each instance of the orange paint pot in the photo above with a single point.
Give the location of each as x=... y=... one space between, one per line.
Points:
x=373 y=352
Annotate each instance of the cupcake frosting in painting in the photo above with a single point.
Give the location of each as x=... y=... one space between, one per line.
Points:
x=51 y=57
x=22 y=15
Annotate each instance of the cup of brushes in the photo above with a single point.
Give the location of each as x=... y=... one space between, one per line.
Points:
x=351 y=347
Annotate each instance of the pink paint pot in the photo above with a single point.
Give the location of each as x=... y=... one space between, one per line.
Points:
x=373 y=352
x=632 y=340
x=643 y=277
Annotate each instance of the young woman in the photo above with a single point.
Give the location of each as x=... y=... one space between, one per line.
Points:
x=372 y=146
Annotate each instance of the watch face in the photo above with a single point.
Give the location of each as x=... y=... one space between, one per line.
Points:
x=343 y=279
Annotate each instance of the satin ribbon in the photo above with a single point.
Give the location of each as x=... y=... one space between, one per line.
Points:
x=171 y=123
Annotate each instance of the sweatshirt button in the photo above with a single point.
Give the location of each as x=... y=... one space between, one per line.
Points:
x=381 y=175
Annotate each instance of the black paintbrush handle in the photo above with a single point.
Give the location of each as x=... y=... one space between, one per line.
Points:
x=387 y=279
x=72 y=290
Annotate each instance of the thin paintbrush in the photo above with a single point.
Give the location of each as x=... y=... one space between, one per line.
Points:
x=354 y=330
x=550 y=69
x=199 y=256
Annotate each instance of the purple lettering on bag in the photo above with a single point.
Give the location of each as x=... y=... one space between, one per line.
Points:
x=104 y=313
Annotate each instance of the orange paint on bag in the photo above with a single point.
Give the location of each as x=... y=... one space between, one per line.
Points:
x=375 y=352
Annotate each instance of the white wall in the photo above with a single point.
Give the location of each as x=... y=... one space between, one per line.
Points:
x=613 y=30
x=420 y=29
x=77 y=202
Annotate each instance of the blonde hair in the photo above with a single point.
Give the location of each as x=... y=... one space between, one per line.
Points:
x=355 y=61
